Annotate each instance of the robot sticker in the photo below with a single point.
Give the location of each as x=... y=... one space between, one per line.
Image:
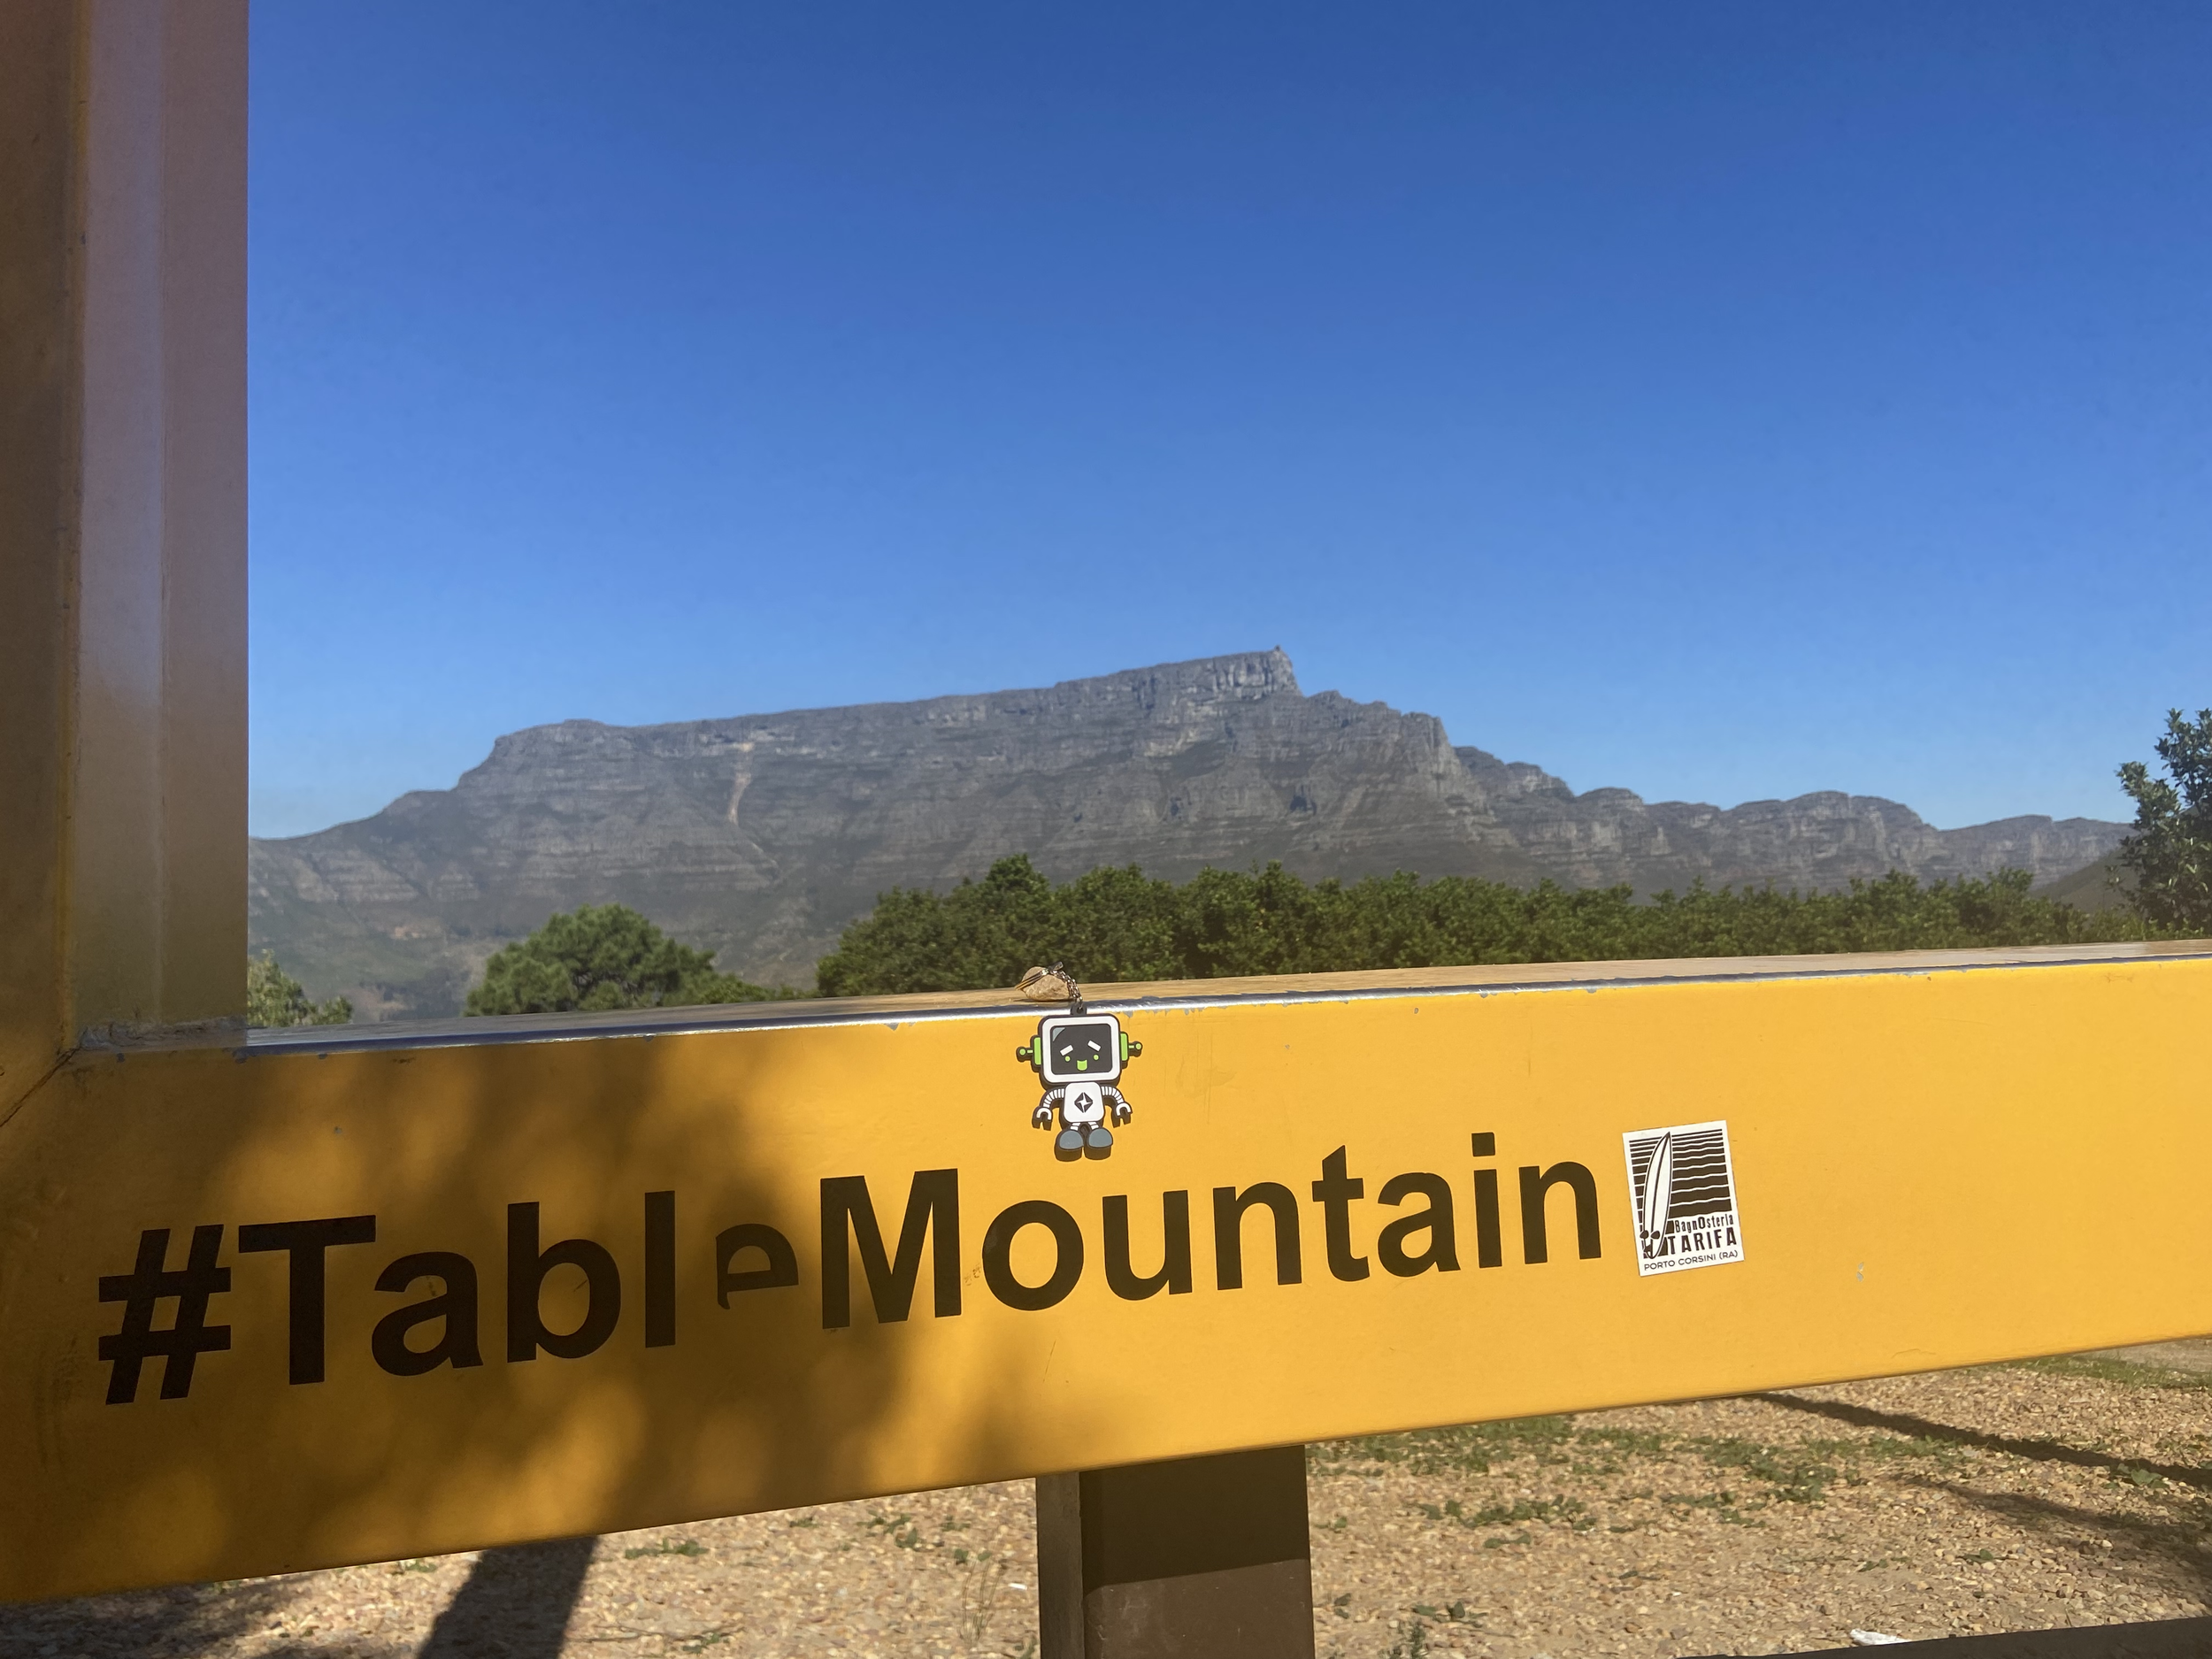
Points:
x=1079 y=1055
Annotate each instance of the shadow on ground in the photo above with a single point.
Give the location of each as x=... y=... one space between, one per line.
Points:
x=516 y=1604
x=2167 y=1638
x=2041 y=1451
x=2182 y=1541
x=186 y=1619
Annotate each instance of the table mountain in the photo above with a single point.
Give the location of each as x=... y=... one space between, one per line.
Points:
x=760 y=837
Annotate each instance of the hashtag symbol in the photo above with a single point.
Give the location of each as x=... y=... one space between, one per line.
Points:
x=189 y=1337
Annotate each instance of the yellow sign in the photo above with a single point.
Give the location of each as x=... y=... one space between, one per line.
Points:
x=348 y=1295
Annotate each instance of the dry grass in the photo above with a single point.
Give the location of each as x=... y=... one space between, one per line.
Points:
x=2018 y=1497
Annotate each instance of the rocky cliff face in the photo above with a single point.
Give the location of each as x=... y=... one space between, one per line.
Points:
x=1819 y=840
x=760 y=837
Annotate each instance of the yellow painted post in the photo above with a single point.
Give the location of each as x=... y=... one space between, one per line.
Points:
x=122 y=524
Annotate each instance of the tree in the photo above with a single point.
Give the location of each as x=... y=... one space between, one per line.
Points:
x=602 y=957
x=1117 y=925
x=2170 y=851
x=273 y=997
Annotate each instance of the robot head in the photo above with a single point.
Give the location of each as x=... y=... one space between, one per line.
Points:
x=1080 y=1048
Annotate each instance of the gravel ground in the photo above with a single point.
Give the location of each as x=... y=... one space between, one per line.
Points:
x=2063 y=1493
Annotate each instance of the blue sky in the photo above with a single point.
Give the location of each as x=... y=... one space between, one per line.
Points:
x=1718 y=401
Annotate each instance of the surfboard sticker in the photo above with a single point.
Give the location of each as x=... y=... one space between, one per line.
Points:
x=1683 y=1185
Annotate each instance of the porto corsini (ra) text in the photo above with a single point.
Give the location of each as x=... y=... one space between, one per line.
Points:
x=1420 y=1231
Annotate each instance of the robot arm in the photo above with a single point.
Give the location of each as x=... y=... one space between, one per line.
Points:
x=1042 y=1117
x=1120 y=1106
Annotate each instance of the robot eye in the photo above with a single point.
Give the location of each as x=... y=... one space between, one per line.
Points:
x=1067 y=1050
x=1095 y=1048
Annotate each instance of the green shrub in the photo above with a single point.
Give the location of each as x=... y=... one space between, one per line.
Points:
x=2170 y=852
x=598 y=958
x=1117 y=925
x=273 y=997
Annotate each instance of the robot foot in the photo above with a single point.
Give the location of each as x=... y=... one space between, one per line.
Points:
x=1100 y=1138
x=1069 y=1141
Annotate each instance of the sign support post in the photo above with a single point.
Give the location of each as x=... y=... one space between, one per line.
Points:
x=1199 y=1555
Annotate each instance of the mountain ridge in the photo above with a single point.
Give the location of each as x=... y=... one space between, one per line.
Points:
x=760 y=836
